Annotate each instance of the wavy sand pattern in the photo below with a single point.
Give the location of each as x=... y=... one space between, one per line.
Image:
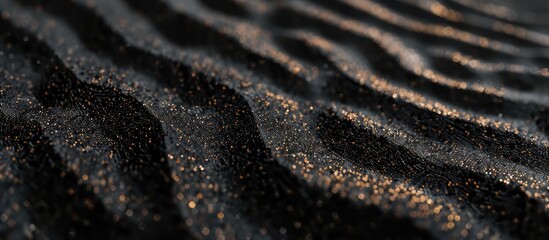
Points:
x=236 y=119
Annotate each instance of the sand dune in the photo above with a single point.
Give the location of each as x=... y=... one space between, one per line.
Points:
x=256 y=119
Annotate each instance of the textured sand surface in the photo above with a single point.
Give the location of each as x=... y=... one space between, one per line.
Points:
x=297 y=119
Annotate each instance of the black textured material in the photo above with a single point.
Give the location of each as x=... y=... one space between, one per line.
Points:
x=256 y=119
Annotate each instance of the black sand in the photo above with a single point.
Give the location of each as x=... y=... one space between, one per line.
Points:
x=298 y=119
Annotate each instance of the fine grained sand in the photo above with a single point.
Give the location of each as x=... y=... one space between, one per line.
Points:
x=135 y=119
